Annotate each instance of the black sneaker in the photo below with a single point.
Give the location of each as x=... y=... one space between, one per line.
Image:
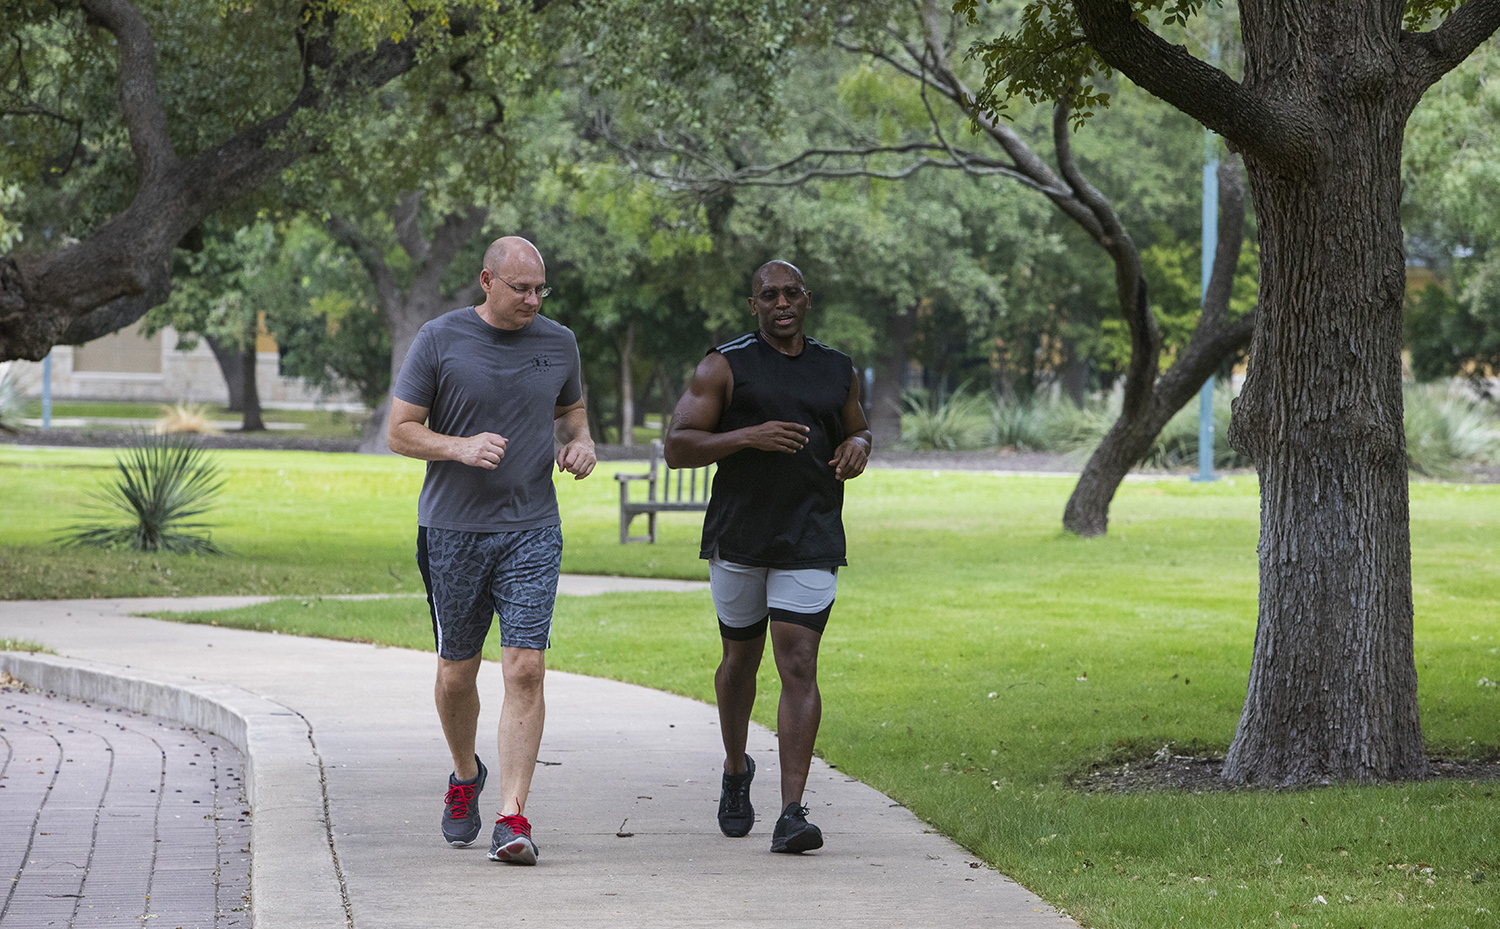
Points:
x=461 y=819
x=512 y=843
x=794 y=833
x=736 y=815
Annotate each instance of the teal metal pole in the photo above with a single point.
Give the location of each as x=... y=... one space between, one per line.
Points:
x=47 y=391
x=1210 y=246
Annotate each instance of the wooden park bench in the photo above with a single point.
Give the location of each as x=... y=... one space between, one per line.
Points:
x=668 y=490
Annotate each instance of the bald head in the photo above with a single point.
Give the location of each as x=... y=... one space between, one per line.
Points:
x=759 y=279
x=514 y=281
x=508 y=250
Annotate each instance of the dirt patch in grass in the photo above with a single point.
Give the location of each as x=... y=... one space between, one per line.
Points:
x=1202 y=774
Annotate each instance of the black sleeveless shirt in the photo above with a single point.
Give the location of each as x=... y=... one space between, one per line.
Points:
x=772 y=509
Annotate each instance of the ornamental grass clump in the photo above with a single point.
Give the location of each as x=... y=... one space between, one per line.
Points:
x=1446 y=430
x=165 y=483
x=954 y=423
x=12 y=400
x=186 y=417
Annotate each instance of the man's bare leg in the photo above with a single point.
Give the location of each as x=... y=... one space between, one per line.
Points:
x=457 y=697
x=734 y=685
x=801 y=708
x=521 y=718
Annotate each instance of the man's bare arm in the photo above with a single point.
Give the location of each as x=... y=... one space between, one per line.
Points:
x=571 y=430
x=853 y=453
x=407 y=434
x=691 y=441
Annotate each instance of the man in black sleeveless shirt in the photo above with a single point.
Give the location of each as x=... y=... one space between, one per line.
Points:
x=780 y=413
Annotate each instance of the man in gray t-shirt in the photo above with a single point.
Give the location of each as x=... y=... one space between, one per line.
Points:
x=483 y=393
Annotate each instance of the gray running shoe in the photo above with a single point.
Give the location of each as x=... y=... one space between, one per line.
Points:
x=461 y=819
x=736 y=815
x=512 y=843
x=794 y=833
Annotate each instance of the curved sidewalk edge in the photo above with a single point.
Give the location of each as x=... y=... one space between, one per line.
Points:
x=294 y=876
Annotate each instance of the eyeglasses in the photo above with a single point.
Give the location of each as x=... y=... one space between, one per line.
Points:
x=541 y=292
x=792 y=294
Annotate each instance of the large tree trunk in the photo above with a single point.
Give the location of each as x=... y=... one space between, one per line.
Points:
x=250 y=390
x=883 y=406
x=404 y=316
x=229 y=360
x=1319 y=118
x=405 y=311
x=1333 y=685
x=627 y=386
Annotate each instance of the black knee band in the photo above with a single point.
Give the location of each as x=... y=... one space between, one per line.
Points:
x=814 y=621
x=743 y=633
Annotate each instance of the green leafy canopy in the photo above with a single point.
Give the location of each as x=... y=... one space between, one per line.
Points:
x=1047 y=58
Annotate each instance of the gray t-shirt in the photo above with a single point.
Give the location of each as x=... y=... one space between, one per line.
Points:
x=476 y=378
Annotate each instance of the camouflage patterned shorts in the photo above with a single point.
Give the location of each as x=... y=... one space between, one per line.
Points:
x=472 y=576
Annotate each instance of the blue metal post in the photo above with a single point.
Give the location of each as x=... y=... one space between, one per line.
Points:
x=47 y=391
x=1210 y=246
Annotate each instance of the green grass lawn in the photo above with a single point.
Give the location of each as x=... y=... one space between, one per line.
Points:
x=977 y=661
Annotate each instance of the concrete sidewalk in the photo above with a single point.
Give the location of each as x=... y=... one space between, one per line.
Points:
x=346 y=767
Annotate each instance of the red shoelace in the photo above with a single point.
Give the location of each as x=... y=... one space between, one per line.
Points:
x=518 y=824
x=458 y=798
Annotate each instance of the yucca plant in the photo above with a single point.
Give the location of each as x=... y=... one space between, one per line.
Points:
x=165 y=483
x=959 y=422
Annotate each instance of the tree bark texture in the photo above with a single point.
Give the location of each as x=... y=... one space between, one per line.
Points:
x=883 y=406
x=250 y=418
x=1319 y=119
x=627 y=385
x=1333 y=687
x=229 y=360
x=406 y=310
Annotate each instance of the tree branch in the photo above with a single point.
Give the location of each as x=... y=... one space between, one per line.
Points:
x=349 y=235
x=1249 y=122
x=1107 y=229
x=140 y=102
x=1433 y=54
x=1230 y=239
x=456 y=229
x=407 y=218
x=933 y=70
x=1130 y=278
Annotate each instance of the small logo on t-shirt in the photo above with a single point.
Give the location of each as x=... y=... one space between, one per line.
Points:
x=541 y=361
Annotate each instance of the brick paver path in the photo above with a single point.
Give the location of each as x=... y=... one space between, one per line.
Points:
x=109 y=816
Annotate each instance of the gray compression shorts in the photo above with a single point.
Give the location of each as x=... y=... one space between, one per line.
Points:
x=745 y=595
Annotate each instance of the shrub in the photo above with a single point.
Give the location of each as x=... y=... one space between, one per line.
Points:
x=185 y=417
x=1446 y=429
x=950 y=425
x=165 y=482
x=11 y=400
x=1021 y=424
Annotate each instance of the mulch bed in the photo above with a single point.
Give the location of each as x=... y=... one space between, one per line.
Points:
x=121 y=438
x=1201 y=774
